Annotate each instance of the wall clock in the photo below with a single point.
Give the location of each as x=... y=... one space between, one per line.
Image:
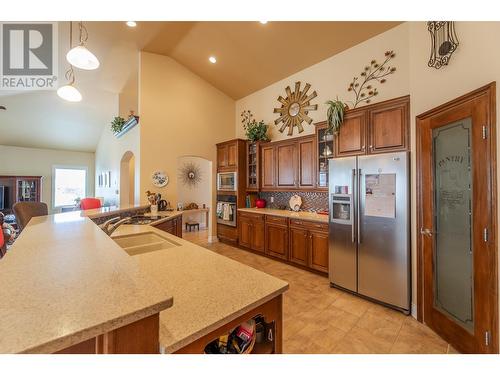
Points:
x=160 y=179
x=294 y=108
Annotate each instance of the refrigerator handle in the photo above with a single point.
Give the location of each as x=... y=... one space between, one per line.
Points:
x=353 y=200
x=358 y=205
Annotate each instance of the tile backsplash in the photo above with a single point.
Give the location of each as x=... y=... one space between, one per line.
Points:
x=311 y=201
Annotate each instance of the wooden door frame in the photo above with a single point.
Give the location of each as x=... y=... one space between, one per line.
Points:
x=489 y=90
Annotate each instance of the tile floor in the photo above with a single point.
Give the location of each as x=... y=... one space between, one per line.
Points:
x=320 y=319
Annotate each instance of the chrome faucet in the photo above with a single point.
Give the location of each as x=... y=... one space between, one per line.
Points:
x=111 y=225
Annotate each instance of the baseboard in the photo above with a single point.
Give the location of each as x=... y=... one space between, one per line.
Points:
x=213 y=239
x=414 y=310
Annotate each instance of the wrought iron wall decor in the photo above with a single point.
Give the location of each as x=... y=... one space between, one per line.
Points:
x=190 y=174
x=364 y=91
x=295 y=108
x=444 y=42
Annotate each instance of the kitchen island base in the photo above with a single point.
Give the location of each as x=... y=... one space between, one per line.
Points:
x=141 y=337
x=272 y=311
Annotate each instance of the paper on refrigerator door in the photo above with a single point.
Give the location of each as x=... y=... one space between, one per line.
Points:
x=380 y=195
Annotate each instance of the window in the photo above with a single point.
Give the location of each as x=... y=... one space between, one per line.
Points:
x=69 y=183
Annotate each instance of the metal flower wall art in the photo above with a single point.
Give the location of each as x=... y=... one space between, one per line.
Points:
x=190 y=174
x=376 y=72
x=295 y=108
x=444 y=42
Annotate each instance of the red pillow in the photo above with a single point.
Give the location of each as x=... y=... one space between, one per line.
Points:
x=2 y=239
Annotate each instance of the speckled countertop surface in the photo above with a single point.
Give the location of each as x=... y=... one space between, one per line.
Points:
x=209 y=289
x=303 y=215
x=65 y=281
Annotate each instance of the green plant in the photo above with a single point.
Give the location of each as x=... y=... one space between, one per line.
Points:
x=117 y=124
x=256 y=131
x=335 y=115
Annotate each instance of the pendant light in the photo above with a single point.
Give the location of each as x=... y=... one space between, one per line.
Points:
x=80 y=56
x=69 y=92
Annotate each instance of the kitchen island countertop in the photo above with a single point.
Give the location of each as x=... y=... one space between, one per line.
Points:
x=209 y=289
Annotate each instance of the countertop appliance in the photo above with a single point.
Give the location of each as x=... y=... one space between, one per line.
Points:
x=227 y=181
x=369 y=245
x=226 y=210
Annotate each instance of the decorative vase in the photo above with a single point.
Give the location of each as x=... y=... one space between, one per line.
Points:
x=154 y=209
x=260 y=203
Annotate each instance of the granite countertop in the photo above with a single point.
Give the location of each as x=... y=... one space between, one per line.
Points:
x=65 y=281
x=209 y=289
x=303 y=215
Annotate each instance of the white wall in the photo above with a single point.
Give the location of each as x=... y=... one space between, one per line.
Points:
x=39 y=162
x=199 y=194
x=108 y=157
x=330 y=78
x=474 y=64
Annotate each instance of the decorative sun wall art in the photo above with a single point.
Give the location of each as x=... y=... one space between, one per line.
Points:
x=190 y=174
x=294 y=108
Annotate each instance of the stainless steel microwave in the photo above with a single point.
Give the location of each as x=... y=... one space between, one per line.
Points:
x=227 y=181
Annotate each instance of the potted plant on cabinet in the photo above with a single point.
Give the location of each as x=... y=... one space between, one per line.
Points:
x=255 y=131
x=335 y=115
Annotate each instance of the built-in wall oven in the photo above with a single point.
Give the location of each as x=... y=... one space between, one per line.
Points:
x=226 y=210
x=226 y=181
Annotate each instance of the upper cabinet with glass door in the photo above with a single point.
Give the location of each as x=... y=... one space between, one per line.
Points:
x=325 y=151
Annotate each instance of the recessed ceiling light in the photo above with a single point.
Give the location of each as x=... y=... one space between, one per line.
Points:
x=212 y=59
x=263 y=22
x=131 y=23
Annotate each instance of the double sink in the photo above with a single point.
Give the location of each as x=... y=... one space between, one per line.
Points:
x=141 y=243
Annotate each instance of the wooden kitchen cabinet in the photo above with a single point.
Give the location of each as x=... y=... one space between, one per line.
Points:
x=268 y=170
x=318 y=255
x=306 y=150
x=376 y=128
x=251 y=231
x=254 y=162
x=309 y=244
x=351 y=139
x=277 y=237
x=172 y=226
x=299 y=246
x=324 y=151
x=286 y=165
x=245 y=232
x=227 y=155
x=388 y=126
x=289 y=165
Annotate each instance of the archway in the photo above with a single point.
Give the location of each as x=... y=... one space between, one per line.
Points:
x=127 y=179
x=200 y=193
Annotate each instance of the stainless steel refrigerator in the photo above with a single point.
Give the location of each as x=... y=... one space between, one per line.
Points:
x=369 y=246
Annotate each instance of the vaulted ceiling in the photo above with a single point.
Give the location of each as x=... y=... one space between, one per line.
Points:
x=250 y=56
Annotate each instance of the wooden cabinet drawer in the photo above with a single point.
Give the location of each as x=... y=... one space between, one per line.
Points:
x=309 y=224
x=251 y=215
x=276 y=220
x=227 y=232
